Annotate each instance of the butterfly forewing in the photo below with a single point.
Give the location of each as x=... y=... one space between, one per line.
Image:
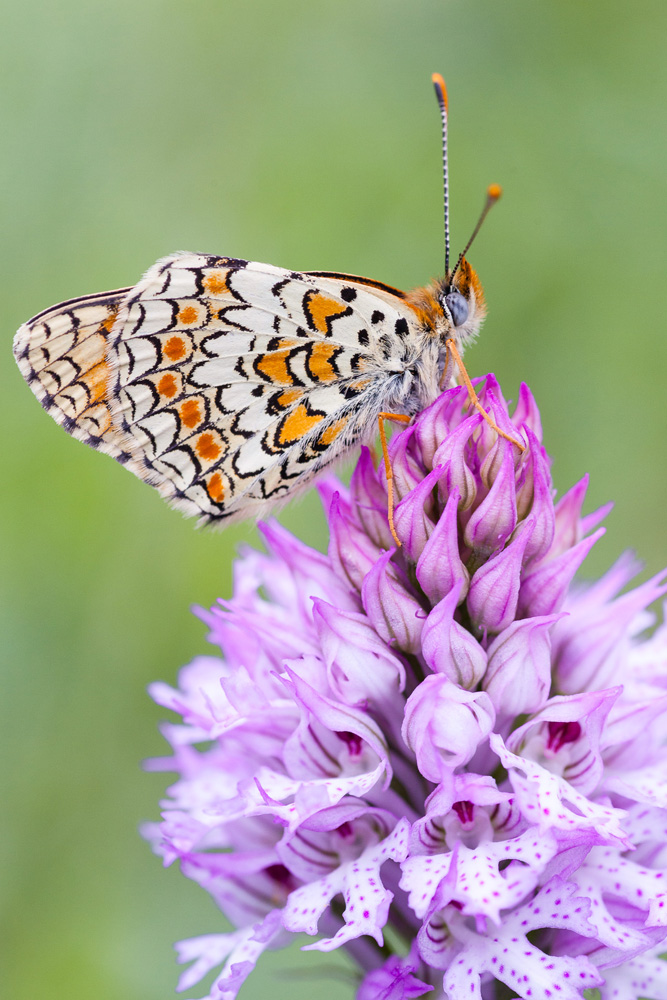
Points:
x=235 y=382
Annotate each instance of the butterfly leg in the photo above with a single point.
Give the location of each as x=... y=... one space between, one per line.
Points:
x=474 y=399
x=447 y=379
x=400 y=418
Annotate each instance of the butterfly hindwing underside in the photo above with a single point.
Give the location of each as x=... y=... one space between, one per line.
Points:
x=62 y=355
x=224 y=383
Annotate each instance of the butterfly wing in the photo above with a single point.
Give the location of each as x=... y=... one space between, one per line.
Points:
x=234 y=383
x=62 y=355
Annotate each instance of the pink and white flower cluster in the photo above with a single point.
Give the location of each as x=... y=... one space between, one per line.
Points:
x=449 y=739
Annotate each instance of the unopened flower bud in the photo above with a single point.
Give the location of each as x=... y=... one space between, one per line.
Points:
x=450 y=649
x=444 y=725
x=518 y=677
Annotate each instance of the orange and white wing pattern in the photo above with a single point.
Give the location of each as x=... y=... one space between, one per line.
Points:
x=233 y=383
x=62 y=355
x=226 y=384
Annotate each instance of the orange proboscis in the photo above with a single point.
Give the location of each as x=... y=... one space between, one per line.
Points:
x=473 y=397
x=298 y=423
x=401 y=418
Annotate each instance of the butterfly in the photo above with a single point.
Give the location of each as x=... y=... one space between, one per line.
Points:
x=228 y=385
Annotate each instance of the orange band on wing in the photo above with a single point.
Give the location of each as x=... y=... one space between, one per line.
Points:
x=208 y=447
x=330 y=433
x=321 y=310
x=274 y=366
x=188 y=315
x=288 y=397
x=215 y=282
x=297 y=424
x=319 y=362
x=175 y=349
x=190 y=413
x=168 y=385
x=96 y=381
x=216 y=488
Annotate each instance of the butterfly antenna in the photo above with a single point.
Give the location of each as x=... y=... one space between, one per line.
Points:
x=441 y=94
x=493 y=193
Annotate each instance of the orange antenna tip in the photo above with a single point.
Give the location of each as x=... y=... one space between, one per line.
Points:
x=493 y=193
x=440 y=88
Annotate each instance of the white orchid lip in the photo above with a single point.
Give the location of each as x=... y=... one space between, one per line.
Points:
x=447 y=740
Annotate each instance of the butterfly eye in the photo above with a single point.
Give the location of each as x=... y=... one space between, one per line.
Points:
x=458 y=307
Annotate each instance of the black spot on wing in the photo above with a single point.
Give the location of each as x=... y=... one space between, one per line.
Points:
x=351 y=390
x=278 y=287
x=237 y=263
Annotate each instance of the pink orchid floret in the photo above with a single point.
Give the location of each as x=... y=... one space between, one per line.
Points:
x=448 y=740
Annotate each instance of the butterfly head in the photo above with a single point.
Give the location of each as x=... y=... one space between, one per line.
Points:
x=462 y=300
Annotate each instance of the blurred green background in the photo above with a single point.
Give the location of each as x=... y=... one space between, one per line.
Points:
x=305 y=135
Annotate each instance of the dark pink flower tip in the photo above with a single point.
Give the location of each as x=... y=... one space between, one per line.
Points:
x=492 y=523
x=439 y=567
x=350 y=549
x=544 y=589
x=370 y=499
x=414 y=524
x=450 y=649
x=494 y=589
x=526 y=413
x=391 y=605
x=451 y=454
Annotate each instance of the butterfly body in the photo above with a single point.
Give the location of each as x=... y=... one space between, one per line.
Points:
x=228 y=385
